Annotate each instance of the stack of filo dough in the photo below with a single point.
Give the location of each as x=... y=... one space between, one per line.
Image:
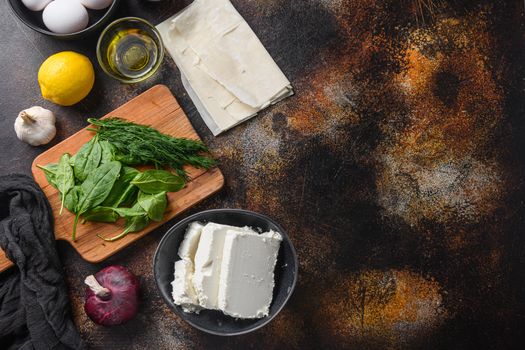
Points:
x=226 y=70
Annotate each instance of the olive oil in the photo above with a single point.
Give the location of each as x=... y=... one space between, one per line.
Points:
x=132 y=53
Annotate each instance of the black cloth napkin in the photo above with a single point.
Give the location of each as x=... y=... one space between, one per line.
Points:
x=34 y=304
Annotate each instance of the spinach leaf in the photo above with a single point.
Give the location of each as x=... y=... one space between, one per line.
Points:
x=123 y=192
x=133 y=224
x=50 y=172
x=87 y=159
x=97 y=185
x=64 y=178
x=107 y=152
x=129 y=173
x=127 y=213
x=157 y=181
x=128 y=159
x=153 y=204
x=136 y=210
x=71 y=199
x=96 y=188
x=136 y=223
x=128 y=196
x=101 y=214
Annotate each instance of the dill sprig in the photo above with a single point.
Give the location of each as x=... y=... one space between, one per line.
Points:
x=141 y=144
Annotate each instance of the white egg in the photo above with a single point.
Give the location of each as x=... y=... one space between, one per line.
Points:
x=36 y=5
x=65 y=16
x=96 y=4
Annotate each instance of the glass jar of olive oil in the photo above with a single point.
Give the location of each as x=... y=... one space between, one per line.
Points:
x=130 y=50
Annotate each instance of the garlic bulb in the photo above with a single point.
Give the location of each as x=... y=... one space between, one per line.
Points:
x=36 y=126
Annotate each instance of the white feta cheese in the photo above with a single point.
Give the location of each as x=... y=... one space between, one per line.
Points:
x=183 y=292
x=247 y=273
x=226 y=268
x=208 y=259
x=188 y=247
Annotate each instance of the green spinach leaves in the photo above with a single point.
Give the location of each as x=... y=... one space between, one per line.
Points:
x=153 y=204
x=101 y=214
x=95 y=189
x=95 y=185
x=64 y=178
x=87 y=159
x=50 y=171
x=123 y=192
x=157 y=181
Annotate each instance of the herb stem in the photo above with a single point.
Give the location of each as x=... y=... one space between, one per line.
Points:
x=141 y=144
x=74 y=235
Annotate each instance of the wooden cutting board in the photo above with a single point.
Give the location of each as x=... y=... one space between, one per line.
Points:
x=156 y=107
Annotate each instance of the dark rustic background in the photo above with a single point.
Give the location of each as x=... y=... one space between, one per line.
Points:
x=397 y=169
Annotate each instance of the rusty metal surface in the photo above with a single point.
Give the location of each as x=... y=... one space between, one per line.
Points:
x=397 y=170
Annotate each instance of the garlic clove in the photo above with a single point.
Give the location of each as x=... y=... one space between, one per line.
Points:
x=35 y=126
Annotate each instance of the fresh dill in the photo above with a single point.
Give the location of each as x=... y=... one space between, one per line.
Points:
x=141 y=144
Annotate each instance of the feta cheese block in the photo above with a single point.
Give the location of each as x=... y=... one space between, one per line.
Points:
x=208 y=260
x=183 y=292
x=226 y=268
x=247 y=273
x=188 y=247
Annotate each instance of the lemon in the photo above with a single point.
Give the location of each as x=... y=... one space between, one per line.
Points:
x=65 y=78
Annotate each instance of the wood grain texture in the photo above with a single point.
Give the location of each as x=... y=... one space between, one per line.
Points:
x=156 y=107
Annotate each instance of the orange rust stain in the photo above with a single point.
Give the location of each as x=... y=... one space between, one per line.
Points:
x=420 y=69
x=436 y=167
x=390 y=308
x=411 y=291
x=456 y=129
x=321 y=101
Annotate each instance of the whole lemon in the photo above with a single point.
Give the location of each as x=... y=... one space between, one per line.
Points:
x=65 y=78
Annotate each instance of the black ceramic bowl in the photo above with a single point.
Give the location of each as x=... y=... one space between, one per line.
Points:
x=33 y=19
x=215 y=322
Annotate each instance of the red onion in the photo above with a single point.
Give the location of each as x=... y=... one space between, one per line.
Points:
x=112 y=296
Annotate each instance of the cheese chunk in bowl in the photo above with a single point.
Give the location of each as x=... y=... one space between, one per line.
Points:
x=230 y=269
x=247 y=279
x=226 y=271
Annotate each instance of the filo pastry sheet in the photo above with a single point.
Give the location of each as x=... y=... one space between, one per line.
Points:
x=225 y=69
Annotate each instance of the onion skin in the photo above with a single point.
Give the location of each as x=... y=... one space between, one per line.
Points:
x=121 y=304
